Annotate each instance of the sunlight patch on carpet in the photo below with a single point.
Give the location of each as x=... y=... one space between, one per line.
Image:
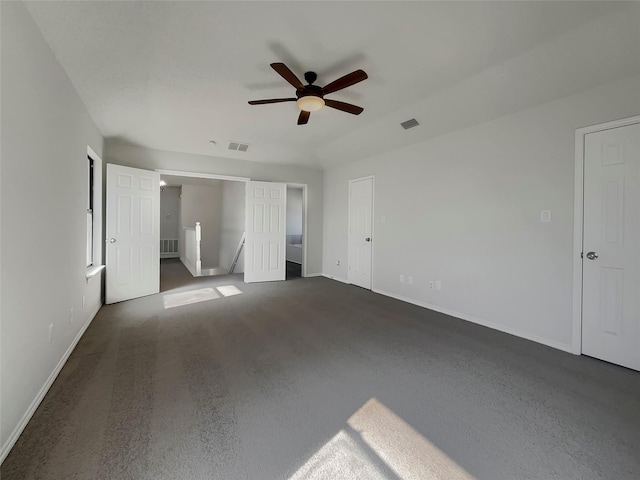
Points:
x=172 y=300
x=229 y=290
x=379 y=435
x=339 y=459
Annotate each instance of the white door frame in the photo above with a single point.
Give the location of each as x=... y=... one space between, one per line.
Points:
x=578 y=212
x=303 y=186
x=180 y=173
x=373 y=220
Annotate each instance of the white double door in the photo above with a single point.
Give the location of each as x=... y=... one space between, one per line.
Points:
x=611 y=244
x=133 y=232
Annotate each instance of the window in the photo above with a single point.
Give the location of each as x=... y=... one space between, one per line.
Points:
x=90 y=181
x=94 y=214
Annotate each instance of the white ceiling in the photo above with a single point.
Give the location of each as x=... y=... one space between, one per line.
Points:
x=174 y=75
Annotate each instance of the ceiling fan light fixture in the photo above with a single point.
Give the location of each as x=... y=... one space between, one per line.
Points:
x=310 y=103
x=310 y=98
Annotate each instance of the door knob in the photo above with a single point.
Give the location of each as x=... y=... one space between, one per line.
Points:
x=592 y=255
x=368 y=239
x=112 y=240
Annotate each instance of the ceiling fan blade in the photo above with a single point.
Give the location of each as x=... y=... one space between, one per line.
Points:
x=346 y=81
x=304 y=117
x=287 y=74
x=271 y=100
x=345 y=107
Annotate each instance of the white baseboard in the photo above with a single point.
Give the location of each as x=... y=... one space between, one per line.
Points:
x=309 y=275
x=480 y=321
x=13 y=438
x=189 y=267
x=206 y=271
x=343 y=280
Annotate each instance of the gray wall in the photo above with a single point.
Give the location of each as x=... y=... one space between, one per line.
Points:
x=170 y=212
x=233 y=216
x=204 y=204
x=138 y=157
x=294 y=211
x=464 y=208
x=45 y=133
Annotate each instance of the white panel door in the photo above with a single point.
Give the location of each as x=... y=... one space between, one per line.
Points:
x=133 y=233
x=360 y=231
x=611 y=244
x=264 y=254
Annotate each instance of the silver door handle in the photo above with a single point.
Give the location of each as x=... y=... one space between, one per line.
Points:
x=592 y=255
x=112 y=240
x=368 y=239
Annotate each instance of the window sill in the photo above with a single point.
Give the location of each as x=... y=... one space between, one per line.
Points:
x=92 y=271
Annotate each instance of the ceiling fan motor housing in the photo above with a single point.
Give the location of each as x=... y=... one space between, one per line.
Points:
x=309 y=90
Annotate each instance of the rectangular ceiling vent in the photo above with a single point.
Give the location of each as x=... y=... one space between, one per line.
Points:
x=410 y=124
x=239 y=147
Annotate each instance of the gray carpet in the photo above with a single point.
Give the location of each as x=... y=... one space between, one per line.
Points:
x=311 y=378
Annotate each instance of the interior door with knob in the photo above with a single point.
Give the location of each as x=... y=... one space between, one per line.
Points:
x=133 y=233
x=611 y=243
x=360 y=231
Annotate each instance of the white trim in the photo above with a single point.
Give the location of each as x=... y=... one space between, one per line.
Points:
x=93 y=154
x=13 y=438
x=192 y=269
x=338 y=279
x=309 y=275
x=578 y=220
x=479 y=321
x=373 y=221
x=179 y=173
x=92 y=271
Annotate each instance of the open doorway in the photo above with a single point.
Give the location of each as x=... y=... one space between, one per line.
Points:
x=222 y=202
x=202 y=227
x=142 y=273
x=295 y=232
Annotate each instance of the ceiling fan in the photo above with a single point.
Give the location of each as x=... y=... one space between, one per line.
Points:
x=311 y=97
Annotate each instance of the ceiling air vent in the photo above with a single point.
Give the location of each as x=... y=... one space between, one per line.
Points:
x=410 y=124
x=240 y=147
